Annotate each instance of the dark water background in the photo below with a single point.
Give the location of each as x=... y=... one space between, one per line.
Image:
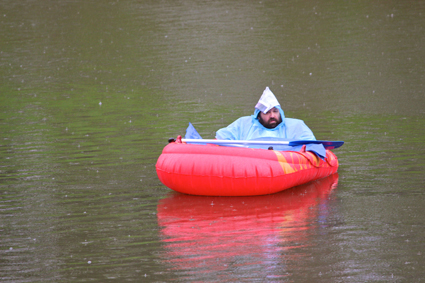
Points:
x=91 y=91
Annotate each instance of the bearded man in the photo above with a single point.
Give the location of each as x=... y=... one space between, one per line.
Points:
x=268 y=120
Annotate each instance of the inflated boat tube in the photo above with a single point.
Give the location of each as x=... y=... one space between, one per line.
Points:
x=213 y=170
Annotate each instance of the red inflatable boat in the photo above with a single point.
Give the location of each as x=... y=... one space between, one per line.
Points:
x=212 y=170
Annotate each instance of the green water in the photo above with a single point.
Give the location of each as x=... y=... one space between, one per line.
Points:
x=91 y=91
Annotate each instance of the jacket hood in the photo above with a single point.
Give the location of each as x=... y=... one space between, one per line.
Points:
x=267 y=101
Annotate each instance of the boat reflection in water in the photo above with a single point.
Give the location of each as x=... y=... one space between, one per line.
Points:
x=235 y=236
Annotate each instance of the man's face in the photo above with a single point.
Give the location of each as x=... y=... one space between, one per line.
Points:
x=271 y=119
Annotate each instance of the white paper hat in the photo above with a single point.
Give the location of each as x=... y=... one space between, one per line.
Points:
x=267 y=101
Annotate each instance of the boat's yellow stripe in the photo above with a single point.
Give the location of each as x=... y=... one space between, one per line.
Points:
x=315 y=158
x=287 y=169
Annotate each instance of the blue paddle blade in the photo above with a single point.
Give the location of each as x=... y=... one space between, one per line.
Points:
x=326 y=144
x=191 y=133
x=317 y=148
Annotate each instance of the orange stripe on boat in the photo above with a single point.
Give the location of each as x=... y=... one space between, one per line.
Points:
x=315 y=158
x=283 y=163
x=303 y=162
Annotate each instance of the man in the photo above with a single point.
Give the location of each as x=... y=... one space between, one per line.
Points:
x=268 y=121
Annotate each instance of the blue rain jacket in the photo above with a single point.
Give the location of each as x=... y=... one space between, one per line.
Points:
x=248 y=128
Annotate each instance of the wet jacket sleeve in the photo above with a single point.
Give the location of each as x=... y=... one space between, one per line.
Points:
x=297 y=130
x=234 y=130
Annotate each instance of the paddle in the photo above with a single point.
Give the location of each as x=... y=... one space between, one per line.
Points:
x=326 y=144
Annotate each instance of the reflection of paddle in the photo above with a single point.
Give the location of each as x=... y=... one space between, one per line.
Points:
x=326 y=144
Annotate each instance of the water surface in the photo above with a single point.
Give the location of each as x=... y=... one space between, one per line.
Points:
x=91 y=91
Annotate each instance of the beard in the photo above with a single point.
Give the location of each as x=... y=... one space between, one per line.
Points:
x=269 y=124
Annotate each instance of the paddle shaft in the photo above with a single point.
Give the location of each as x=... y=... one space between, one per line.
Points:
x=234 y=141
x=326 y=144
